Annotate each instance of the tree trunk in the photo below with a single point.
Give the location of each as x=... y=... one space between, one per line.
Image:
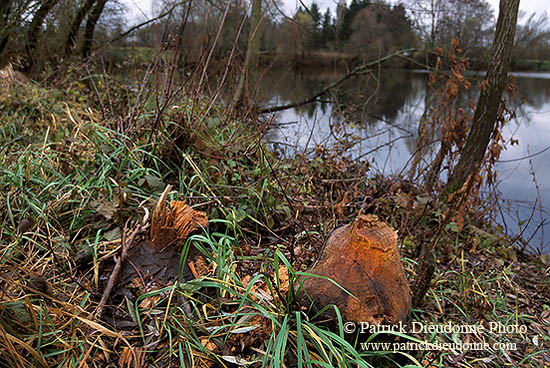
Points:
x=70 y=41
x=255 y=18
x=34 y=31
x=90 y=27
x=489 y=100
x=5 y=10
x=252 y=52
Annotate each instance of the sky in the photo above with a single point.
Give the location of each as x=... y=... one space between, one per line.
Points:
x=137 y=7
x=528 y=6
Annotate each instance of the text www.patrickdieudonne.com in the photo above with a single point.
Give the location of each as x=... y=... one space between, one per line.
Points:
x=458 y=346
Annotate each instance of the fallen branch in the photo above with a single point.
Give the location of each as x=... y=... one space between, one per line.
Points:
x=126 y=244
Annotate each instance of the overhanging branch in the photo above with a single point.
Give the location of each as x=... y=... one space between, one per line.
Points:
x=361 y=69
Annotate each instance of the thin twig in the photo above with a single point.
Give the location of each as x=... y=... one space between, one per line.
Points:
x=203 y=75
x=8 y=144
x=138 y=26
x=520 y=233
x=126 y=244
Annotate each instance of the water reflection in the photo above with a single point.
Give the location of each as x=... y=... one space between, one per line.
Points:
x=381 y=112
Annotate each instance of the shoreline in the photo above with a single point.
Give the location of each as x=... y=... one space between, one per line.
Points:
x=338 y=60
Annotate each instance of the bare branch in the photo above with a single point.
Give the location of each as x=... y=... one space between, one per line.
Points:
x=362 y=69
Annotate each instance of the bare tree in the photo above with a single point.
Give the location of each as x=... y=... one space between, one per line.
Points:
x=70 y=40
x=5 y=10
x=469 y=21
x=439 y=21
x=34 y=31
x=90 y=26
x=427 y=15
x=531 y=37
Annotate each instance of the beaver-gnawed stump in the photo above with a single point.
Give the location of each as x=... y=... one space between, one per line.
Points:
x=363 y=259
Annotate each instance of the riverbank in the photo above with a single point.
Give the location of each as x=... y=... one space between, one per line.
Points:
x=384 y=130
x=311 y=61
x=84 y=165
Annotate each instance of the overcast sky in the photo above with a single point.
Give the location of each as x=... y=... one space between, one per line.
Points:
x=136 y=7
x=527 y=5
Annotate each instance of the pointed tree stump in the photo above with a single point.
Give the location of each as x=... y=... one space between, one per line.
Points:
x=363 y=259
x=175 y=221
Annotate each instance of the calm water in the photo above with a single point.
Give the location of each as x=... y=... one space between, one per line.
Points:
x=382 y=114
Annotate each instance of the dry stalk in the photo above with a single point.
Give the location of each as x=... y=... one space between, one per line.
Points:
x=126 y=244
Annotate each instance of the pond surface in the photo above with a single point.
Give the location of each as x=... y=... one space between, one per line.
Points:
x=381 y=114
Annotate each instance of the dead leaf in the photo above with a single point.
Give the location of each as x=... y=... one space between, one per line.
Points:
x=283 y=279
x=105 y=208
x=209 y=345
x=132 y=358
x=245 y=329
x=235 y=360
x=154 y=182
x=199 y=267
x=150 y=301
x=113 y=234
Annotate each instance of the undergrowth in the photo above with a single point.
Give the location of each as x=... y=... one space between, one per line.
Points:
x=74 y=177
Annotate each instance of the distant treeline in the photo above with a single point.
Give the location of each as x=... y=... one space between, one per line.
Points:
x=354 y=32
x=42 y=34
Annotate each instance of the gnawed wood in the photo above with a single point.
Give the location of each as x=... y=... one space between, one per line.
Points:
x=174 y=221
x=363 y=259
